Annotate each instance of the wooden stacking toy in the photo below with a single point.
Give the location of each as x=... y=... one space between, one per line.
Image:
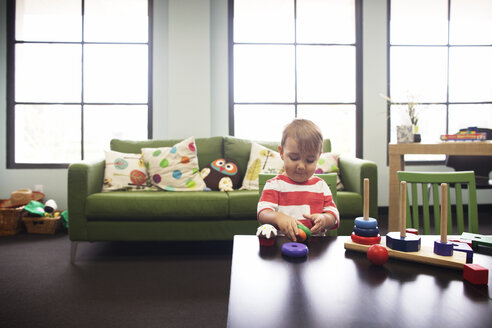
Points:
x=407 y=247
x=442 y=247
x=366 y=229
x=400 y=241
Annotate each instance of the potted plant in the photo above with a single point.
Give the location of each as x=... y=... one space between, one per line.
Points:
x=412 y=115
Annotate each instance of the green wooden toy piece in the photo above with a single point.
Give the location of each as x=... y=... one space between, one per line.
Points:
x=477 y=239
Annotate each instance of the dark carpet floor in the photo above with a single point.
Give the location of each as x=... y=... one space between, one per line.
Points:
x=118 y=284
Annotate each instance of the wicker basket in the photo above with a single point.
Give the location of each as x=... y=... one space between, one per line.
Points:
x=10 y=221
x=41 y=225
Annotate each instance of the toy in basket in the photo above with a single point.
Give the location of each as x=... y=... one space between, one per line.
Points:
x=11 y=210
x=41 y=219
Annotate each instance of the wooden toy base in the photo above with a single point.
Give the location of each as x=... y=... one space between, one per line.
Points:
x=425 y=255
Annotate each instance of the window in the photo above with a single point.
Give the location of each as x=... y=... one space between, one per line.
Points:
x=79 y=74
x=296 y=58
x=440 y=54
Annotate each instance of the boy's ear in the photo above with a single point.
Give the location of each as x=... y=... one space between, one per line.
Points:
x=281 y=151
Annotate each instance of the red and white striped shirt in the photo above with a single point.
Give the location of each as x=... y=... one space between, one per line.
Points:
x=282 y=194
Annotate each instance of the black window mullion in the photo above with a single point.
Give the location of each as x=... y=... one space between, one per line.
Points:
x=11 y=86
x=448 y=66
x=82 y=104
x=358 y=87
x=11 y=100
x=295 y=59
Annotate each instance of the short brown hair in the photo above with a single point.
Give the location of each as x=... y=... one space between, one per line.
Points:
x=307 y=135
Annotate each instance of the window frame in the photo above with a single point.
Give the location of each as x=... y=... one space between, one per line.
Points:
x=446 y=103
x=11 y=102
x=358 y=73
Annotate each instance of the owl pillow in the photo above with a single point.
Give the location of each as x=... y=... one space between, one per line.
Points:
x=222 y=174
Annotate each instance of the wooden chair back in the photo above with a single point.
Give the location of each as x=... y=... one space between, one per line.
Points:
x=419 y=212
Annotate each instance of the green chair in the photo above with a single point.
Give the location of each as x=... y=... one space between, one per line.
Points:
x=463 y=183
x=330 y=179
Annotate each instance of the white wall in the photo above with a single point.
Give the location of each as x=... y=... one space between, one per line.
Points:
x=191 y=87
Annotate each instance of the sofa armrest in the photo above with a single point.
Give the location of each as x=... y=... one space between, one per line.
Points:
x=84 y=178
x=353 y=171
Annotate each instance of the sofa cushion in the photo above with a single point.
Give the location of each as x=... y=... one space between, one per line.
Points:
x=239 y=150
x=242 y=204
x=174 y=168
x=208 y=149
x=157 y=205
x=328 y=163
x=261 y=160
x=124 y=171
x=350 y=204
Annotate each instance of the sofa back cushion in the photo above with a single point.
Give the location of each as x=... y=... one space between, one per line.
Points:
x=208 y=149
x=239 y=150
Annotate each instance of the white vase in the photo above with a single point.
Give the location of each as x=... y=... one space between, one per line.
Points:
x=404 y=134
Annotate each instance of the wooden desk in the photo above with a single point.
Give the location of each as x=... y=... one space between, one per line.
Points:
x=338 y=288
x=397 y=163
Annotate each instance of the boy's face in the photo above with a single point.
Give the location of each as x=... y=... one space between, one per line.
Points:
x=299 y=167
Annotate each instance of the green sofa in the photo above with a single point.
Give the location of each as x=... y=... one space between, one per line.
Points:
x=197 y=215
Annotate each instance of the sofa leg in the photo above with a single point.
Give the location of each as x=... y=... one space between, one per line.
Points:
x=73 y=251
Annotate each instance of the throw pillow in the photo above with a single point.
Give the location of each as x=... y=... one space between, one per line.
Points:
x=174 y=168
x=124 y=172
x=222 y=174
x=261 y=160
x=328 y=163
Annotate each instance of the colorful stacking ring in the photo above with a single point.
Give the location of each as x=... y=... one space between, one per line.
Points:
x=366 y=232
x=305 y=229
x=295 y=250
x=366 y=224
x=365 y=240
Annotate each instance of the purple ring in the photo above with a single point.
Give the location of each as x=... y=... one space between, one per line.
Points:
x=295 y=250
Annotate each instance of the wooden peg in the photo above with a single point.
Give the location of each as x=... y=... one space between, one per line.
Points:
x=444 y=213
x=366 y=199
x=442 y=247
x=400 y=241
x=364 y=221
x=403 y=209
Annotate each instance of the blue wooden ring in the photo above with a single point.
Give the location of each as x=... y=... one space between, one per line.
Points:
x=366 y=232
x=443 y=249
x=295 y=250
x=410 y=243
x=366 y=224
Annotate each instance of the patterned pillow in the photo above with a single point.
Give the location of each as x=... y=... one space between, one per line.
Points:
x=328 y=163
x=261 y=160
x=174 y=168
x=124 y=172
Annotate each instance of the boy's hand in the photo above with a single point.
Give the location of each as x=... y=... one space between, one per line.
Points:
x=287 y=224
x=321 y=221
